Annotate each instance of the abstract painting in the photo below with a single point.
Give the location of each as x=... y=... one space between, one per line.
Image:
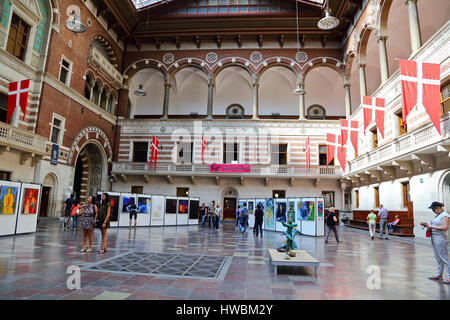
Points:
x=269 y=218
x=144 y=204
x=251 y=206
x=114 y=201
x=183 y=206
x=319 y=208
x=281 y=210
x=291 y=210
x=126 y=201
x=171 y=205
x=8 y=199
x=305 y=209
x=194 y=209
x=30 y=199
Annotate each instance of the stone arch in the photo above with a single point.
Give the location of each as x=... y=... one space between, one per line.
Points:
x=55 y=16
x=364 y=36
x=338 y=67
x=383 y=13
x=109 y=49
x=277 y=64
x=137 y=66
x=349 y=59
x=232 y=64
x=51 y=180
x=188 y=65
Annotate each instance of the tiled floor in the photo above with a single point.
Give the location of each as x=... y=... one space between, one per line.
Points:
x=34 y=266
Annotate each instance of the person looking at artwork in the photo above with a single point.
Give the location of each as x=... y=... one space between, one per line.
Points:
x=331 y=224
x=89 y=214
x=203 y=213
x=75 y=211
x=383 y=214
x=132 y=209
x=258 y=219
x=438 y=228
x=67 y=210
x=103 y=217
x=238 y=218
x=244 y=217
x=372 y=221
x=8 y=202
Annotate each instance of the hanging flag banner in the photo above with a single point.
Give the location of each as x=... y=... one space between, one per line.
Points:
x=308 y=156
x=203 y=148
x=54 y=154
x=17 y=96
x=352 y=126
x=154 y=151
x=229 y=168
x=373 y=109
x=421 y=86
x=335 y=150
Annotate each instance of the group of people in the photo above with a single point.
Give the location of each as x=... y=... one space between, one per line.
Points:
x=92 y=216
x=242 y=219
x=211 y=214
x=384 y=225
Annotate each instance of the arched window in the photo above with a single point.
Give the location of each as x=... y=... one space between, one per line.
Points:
x=316 y=111
x=110 y=104
x=235 y=111
x=88 y=87
x=95 y=93
x=103 y=98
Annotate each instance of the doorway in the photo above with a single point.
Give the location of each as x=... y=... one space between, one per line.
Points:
x=229 y=208
x=43 y=212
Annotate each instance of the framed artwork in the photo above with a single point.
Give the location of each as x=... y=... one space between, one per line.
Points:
x=261 y=203
x=144 y=204
x=126 y=202
x=30 y=201
x=8 y=199
x=251 y=206
x=194 y=209
x=280 y=206
x=319 y=208
x=269 y=219
x=291 y=210
x=305 y=209
x=114 y=201
x=157 y=208
x=183 y=206
x=171 y=205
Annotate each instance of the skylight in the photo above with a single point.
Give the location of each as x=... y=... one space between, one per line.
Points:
x=139 y=4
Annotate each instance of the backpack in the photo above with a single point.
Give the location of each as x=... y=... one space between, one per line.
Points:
x=75 y=210
x=244 y=212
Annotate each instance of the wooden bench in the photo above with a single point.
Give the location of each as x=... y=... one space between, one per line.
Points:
x=400 y=230
x=301 y=259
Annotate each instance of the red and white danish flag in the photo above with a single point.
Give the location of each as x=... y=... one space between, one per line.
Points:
x=373 y=109
x=421 y=85
x=17 y=96
x=335 y=149
x=203 y=148
x=308 y=155
x=352 y=126
x=154 y=151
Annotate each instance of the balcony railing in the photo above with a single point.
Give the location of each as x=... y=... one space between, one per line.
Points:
x=133 y=168
x=98 y=61
x=410 y=142
x=19 y=139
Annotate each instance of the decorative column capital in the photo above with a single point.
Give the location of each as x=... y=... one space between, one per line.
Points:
x=382 y=38
x=362 y=65
x=211 y=84
x=408 y=1
x=346 y=84
x=255 y=85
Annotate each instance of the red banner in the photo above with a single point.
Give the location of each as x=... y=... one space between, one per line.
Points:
x=229 y=168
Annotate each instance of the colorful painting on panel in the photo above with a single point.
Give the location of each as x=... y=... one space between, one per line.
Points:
x=114 y=201
x=144 y=204
x=30 y=200
x=261 y=203
x=183 y=206
x=319 y=208
x=127 y=201
x=171 y=206
x=241 y=203
x=8 y=199
x=305 y=209
x=281 y=210
x=251 y=206
x=269 y=218
x=291 y=210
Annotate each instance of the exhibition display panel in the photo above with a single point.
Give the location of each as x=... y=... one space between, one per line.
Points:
x=183 y=211
x=158 y=211
x=194 y=209
x=30 y=197
x=170 y=219
x=144 y=204
x=125 y=202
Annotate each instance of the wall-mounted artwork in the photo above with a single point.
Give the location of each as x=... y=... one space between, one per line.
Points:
x=269 y=218
x=126 y=202
x=114 y=200
x=261 y=203
x=305 y=209
x=171 y=205
x=8 y=199
x=281 y=210
x=194 y=209
x=30 y=200
x=319 y=208
x=183 y=206
x=251 y=206
x=157 y=208
x=291 y=210
x=144 y=204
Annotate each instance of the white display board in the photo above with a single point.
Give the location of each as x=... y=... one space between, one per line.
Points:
x=27 y=215
x=144 y=204
x=170 y=219
x=158 y=211
x=194 y=210
x=251 y=212
x=280 y=212
x=308 y=216
x=9 y=206
x=320 y=218
x=182 y=211
x=125 y=200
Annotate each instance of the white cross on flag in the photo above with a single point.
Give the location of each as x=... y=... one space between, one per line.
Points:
x=373 y=109
x=308 y=155
x=17 y=96
x=335 y=149
x=154 y=151
x=352 y=126
x=421 y=86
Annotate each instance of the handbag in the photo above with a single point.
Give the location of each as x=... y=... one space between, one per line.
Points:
x=428 y=233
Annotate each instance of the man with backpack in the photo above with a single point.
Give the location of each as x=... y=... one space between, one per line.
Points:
x=244 y=217
x=68 y=210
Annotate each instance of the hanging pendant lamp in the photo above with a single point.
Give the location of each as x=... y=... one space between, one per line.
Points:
x=140 y=92
x=328 y=22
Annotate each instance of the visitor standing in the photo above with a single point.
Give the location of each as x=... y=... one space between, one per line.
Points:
x=331 y=224
x=132 y=209
x=383 y=214
x=258 y=219
x=372 y=221
x=103 y=217
x=211 y=210
x=67 y=210
x=89 y=214
x=203 y=214
x=74 y=212
x=238 y=218
x=438 y=228
x=218 y=216
x=244 y=217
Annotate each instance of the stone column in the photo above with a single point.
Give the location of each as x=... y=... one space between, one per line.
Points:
x=348 y=101
x=384 y=68
x=255 y=101
x=301 y=103
x=122 y=103
x=414 y=26
x=165 y=115
x=210 y=100
x=362 y=79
